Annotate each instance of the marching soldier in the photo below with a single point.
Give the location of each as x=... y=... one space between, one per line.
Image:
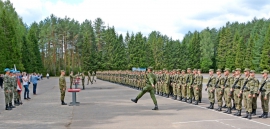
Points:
x=196 y=87
x=238 y=82
x=184 y=85
x=255 y=95
x=190 y=79
x=167 y=83
x=178 y=85
x=150 y=85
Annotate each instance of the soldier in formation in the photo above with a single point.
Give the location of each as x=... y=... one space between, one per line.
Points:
x=232 y=90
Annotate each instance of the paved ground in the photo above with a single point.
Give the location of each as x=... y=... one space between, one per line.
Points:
x=106 y=105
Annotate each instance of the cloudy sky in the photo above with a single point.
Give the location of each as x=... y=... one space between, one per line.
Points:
x=171 y=17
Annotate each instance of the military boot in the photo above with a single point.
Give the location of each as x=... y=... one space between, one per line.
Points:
x=63 y=103
x=246 y=116
x=225 y=106
x=161 y=93
x=261 y=116
x=239 y=114
x=16 y=103
x=233 y=108
x=134 y=100
x=249 y=116
x=156 y=107
x=254 y=112
x=180 y=98
x=265 y=115
x=196 y=102
x=175 y=97
x=11 y=106
x=167 y=96
x=219 y=108
x=157 y=93
x=226 y=110
x=229 y=111
x=184 y=100
x=210 y=106
x=190 y=100
x=236 y=113
x=7 y=107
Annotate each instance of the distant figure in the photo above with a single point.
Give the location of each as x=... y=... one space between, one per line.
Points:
x=1 y=81
x=62 y=87
x=47 y=75
x=34 y=80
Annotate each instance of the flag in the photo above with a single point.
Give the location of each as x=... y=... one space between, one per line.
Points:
x=15 y=68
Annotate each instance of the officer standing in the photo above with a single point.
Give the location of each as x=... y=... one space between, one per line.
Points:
x=83 y=78
x=71 y=79
x=218 y=88
x=265 y=90
x=62 y=87
x=227 y=86
x=150 y=85
x=238 y=81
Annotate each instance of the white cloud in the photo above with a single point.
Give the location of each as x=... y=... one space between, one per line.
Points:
x=170 y=17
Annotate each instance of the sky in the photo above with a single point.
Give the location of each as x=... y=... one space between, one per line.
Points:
x=173 y=18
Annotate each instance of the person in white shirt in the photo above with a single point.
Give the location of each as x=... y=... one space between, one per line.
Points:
x=25 y=79
x=47 y=75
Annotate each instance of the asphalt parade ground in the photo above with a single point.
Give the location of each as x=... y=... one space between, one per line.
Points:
x=105 y=105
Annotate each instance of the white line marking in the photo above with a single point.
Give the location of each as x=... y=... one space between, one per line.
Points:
x=201 y=121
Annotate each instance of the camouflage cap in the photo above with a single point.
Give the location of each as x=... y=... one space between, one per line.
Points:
x=164 y=69
x=233 y=71
x=265 y=71
x=188 y=68
x=237 y=69
x=199 y=70
x=183 y=70
x=194 y=69
x=218 y=70
x=62 y=70
x=150 y=68
x=252 y=71
x=211 y=70
x=247 y=69
x=178 y=70
x=226 y=69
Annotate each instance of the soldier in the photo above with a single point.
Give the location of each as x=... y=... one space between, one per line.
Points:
x=190 y=79
x=238 y=81
x=265 y=90
x=7 y=83
x=71 y=79
x=62 y=87
x=200 y=83
x=247 y=92
x=83 y=78
x=184 y=86
x=150 y=85
x=227 y=86
x=255 y=95
x=218 y=88
x=210 y=87
x=12 y=87
x=196 y=87
x=166 y=83
x=178 y=84
x=173 y=83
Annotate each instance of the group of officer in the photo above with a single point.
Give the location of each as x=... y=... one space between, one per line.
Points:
x=187 y=86
x=12 y=88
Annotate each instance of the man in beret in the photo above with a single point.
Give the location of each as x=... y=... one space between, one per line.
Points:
x=265 y=90
x=151 y=80
x=7 y=85
x=62 y=87
x=210 y=87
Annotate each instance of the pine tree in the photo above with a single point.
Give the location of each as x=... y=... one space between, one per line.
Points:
x=265 y=56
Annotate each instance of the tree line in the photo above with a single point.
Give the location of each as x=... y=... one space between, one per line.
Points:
x=63 y=43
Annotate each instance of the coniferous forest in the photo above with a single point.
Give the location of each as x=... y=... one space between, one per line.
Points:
x=64 y=43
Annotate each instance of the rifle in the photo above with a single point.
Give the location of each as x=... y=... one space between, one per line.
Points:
x=208 y=83
x=217 y=82
x=225 y=83
x=244 y=86
x=233 y=87
x=260 y=89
